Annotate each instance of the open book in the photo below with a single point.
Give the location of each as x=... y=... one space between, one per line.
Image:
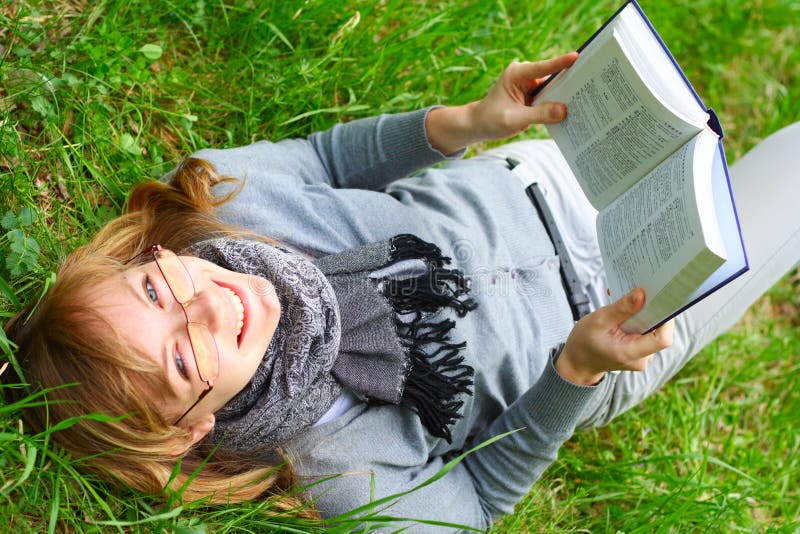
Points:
x=648 y=155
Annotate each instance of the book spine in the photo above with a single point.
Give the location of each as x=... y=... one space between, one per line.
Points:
x=714 y=124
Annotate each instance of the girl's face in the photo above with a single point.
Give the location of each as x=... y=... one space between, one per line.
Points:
x=241 y=312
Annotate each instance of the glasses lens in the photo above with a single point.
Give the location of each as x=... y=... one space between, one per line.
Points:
x=180 y=283
x=176 y=275
x=205 y=351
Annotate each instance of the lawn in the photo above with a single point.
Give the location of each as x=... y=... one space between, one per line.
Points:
x=97 y=96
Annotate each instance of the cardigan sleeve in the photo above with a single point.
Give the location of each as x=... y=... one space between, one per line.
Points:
x=370 y=153
x=366 y=153
x=385 y=448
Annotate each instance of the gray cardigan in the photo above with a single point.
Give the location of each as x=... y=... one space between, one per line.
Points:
x=349 y=186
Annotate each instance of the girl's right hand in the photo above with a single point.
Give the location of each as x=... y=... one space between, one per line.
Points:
x=597 y=343
x=507 y=109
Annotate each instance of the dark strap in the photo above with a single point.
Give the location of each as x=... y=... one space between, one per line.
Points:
x=576 y=296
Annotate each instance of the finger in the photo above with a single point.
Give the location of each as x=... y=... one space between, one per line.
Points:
x=548 y=113
x=532 y=70
x=664 y=335
x=619 y=311
x=652 y=342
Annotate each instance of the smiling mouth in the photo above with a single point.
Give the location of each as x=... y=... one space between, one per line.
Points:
x=238 y=307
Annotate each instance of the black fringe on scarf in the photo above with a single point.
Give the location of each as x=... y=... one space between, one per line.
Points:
x=436 y=372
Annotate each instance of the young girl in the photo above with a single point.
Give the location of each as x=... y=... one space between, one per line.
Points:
x=306 y=304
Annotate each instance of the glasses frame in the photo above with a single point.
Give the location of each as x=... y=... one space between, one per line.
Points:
x=155 y=250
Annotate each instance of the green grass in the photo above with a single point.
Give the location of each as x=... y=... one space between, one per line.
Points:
x=86 y=111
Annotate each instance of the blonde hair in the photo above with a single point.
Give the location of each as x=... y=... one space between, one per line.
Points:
x=66 y=342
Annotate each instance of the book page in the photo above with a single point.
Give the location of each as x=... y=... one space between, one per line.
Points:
x=728 y=226
x=661 y=234
x=616 y=128
x=656 y=66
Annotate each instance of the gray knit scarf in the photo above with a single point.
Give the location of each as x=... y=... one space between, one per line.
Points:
x=365 y=320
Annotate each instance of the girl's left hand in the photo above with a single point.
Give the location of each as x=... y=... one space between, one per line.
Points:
x=504 y=112
x=598 y=344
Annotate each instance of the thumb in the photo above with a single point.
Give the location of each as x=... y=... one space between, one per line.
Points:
x=627 y=306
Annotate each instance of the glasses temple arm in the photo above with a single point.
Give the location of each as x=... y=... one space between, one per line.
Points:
x=202 y=395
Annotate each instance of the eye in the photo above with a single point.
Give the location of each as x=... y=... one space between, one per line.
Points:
x=151 y=290
x=181 y=365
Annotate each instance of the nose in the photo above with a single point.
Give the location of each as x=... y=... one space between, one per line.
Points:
x=206 y=307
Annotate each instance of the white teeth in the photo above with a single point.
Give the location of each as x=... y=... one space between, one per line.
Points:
x=239 y=307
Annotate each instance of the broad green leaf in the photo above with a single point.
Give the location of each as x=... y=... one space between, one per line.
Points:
x=40 y=105
x=26 y=216
x=24 y=255
x=9 y=221
x=128 y=144
x=199 y=529
x=21 y=243
x=151 y=51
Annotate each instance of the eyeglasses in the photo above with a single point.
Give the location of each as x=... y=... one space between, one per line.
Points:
x=181 y=285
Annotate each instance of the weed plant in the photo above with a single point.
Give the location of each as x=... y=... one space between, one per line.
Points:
x=98 y=96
